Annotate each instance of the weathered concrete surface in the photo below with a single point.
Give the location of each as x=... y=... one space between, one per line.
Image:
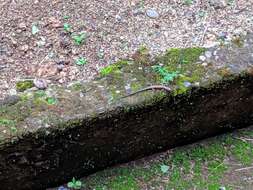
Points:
x=48 y=137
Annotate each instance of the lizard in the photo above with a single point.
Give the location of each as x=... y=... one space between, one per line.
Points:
x=152 y=87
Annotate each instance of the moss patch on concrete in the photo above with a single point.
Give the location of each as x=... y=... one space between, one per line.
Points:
x=113 y=68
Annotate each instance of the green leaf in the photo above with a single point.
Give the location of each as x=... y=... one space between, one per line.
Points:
x=66 y=17
x=66 y=27
x=51 y=100
x=35 y=29
x=70 y=185
x=81 y=61
x=79 y=39
x=165 y=168
x=14 y=129
x=78 y=184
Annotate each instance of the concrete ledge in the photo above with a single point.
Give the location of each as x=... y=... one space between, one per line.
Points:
x=48 y=137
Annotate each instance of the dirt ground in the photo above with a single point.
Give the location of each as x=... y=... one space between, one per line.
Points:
x=64 y=41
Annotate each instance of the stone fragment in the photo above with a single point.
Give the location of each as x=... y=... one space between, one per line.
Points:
x=202 y=58
x=151 y=13
x=41 y=84
x=218 y=4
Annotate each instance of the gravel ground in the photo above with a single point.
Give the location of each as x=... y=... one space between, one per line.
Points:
x=34 y=43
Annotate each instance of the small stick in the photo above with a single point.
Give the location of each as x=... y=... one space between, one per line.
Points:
x=153 y=87
x=241 y=169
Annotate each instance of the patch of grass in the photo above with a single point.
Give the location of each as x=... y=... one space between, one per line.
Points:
x=201 y=166
x=243 y=151
x=125 y=182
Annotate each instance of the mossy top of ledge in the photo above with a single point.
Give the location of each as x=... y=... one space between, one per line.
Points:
x=58 y=107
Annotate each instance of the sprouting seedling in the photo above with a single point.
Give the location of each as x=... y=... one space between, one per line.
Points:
x=79 y=38
x=66 y=17
x=75 y=184
x=81 y=61
x=66 y=27
x=51 y=100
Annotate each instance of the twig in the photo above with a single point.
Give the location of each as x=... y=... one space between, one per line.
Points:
x=246 y=168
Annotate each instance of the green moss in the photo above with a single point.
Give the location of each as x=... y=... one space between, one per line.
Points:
x=6 y=122
x=113 y=68
x=135 y=86
x=177 y=56
x=24 y=85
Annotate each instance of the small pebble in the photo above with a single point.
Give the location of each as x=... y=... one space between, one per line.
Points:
x=204 y=64
x=40 y=83
x=187 y=84
x=218 y=4
x=118 y=18
x=202 y=58
x=208 y=54
x=151 y=13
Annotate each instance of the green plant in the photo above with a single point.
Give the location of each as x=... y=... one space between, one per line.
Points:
x=79 y=38
x=113 y=67
x=81 y=61
x=75 y=184
x=51 y=100
x=165 y=75
x=66 y=17
x=66 y=27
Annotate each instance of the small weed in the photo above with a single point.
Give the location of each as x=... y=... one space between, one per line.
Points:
x=113 y=68
x=165 y=75
x=79 y=38
x=51 y=100
x=75 y=184
x=66 y=17
x=81 y=61
x=66 y=27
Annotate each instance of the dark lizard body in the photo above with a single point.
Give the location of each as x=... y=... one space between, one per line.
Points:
x=153 y=87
